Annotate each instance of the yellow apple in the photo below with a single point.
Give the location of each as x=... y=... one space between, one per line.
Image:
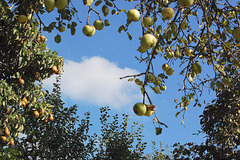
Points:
x=184 y=25
x=165 y=67
x=61 y=4
x=133 y=15
x=148 y=41
x=189 y=52
x=150 y=110
x=167 y=13
x=163 y=87
x=170 y=71
x=87 y=2
x=147 y=22
x=88 y=30
x=98 y=24
x=185 y=3
x=236 y=33
x=139 y=109
x=170 y=54
x=50 y=5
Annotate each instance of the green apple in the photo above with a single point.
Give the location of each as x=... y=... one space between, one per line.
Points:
x=50 y=5
x=184 y=25
x=165 y=67
x=61 y=4
x=87 y=2
x=139 y=109
x=189 y=52
x=147 y=22
x=133 y=15
x=22 y=18
x=167 y=13
x=98 y=24
x=236 y=33
x=88 y=30
x=61 y=28
x=170 y=71
x=170 y=54
x=163 y=87
x=141 y=49
x=148 y=41
x=185 y=3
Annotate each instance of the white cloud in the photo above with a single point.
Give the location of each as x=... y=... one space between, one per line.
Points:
x=96 y=81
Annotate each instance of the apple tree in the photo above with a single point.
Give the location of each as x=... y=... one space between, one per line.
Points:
x=188 y=34
x=25 y=60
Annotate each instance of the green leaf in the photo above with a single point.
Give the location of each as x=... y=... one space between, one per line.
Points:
x=177 y=114
x=105 y=10
x=130 y=79
x=158 y=130
x=98 y=3
x=106 y=23
x=129 y=36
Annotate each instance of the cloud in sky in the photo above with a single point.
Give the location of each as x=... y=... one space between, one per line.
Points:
x=95 y=80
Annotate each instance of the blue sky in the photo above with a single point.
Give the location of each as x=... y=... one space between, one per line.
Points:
x=93 y=66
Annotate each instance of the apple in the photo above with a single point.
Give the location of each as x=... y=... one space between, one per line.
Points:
x=236 y=33
x=167 y=13
x=54 y=69
x=87 y=2
x=184 y=25
x=147 y=22
x=36 y=114
x=141 y=49
x=61 y=4
x=139 y=109
x=163 y=87
x=185 y=3
x=7 y=132
x=165 y=67
x=42 y=38
x=150 y=110
x=61 y=28
x=22 y=18
x=133 y=15
x=170 y=54
x=11 y=141
x=88 y=30
x=4 y=138
x=148 y=41
x=98 y=24
x=24 y=100
x=21 y=81
x=50 y=5
x=170 y=71
x=189 y=52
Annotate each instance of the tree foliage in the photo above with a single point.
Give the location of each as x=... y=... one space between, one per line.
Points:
x=202 y=35
x=67 y=136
